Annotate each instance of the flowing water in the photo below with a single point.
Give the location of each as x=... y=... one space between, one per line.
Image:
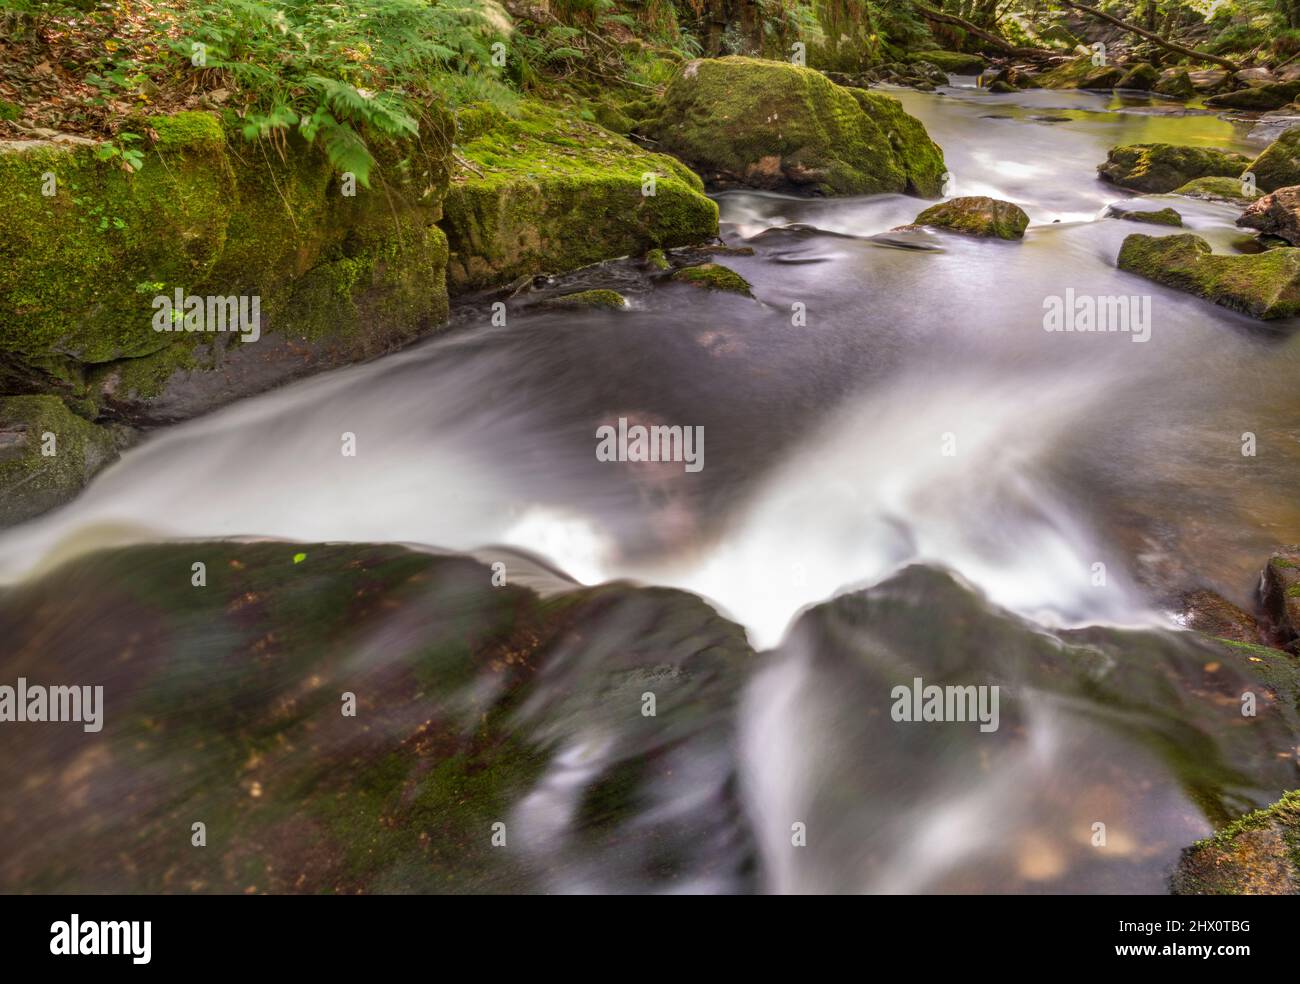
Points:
x=827 y=467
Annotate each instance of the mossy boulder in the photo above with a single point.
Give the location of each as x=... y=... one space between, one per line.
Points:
x=1143 y=76
x=713 y=276
x=1276 y=214
x=1256 y=855
x=1216 y=190
x=47 y=454
x=226 y=704
x=977 y=215
x=89 y=246
x=549 y=193
x=1175 y=82
x=1081 y=73
x=955 y=62
x=1156 y=168
x=1264 y=285
x=1279 y=165
x=609 y=300
x=1273 y=95
x=1280 y=596
x=773 y=125
x=1163 y=216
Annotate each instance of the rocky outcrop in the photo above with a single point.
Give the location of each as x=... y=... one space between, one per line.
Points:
x=1156 y=168
x=541 y=192
x=1264 y=285
x=766 y=124
x=1279 y=165
x=1280 y=596
x=1276 y=214
x=1143 y=77
x=977 y=215
x=1256 y=855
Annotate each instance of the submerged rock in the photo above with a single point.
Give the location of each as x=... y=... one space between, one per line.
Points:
x=1265 y=285
x=768 y=124
x=609 y=300
x=1211 y=613
x=1276 y=214
x=713 y=276
x=977 y=215
x=1279 y=165
x=1163 y=216
x=1157 y=168
x=498 y=740
x=48 y=454
x=1256 y=855
x=553 y=193
x=1272 y=95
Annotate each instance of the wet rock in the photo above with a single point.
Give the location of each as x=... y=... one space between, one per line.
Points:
x=1175 y=82
x=977 y=215
x=768 y=124
x=1280 y=596
x=1211 y=613
x=955 y=62
x=1164 y=216
x=1208 y=80
x=1143 y=76
x=713 y=276
x=1279 y=165
x=1276 y=214
x=1001 y=86
x=1256 y=855
x=1273 y=95
x=1266 y=285
x=1156 y=168
x=1216 y=190
x=609 y=300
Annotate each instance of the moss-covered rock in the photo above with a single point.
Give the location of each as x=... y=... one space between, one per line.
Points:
x=977 y=215
x=1276 y=214
x=1175 y=82
x=1256 y=855
x=1081 y=73
x=1279 y=165
x=1280 y=596
x=1265 y=285
x=47 y=455
x=1143 y=76
x=766 y=124
x=609 y=300
x=546 y=192
x=1273 y=95
x=956 y=62
x=89 y=247
x=1216 y=190
x=1156 y=168
x=1209 y=612
x=1163 y=216
x=1001 y=86
x=713 y=276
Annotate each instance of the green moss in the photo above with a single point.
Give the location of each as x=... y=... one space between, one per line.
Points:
x=656 y=259
x=1157 y=168
x=775 y=125
x=33 y=481
x=10 y=111
x=1177 y=84
x=714 y=276
x=1143 y=76
x=977 y=216
x=1215 y=189
x=610 y=300
x=187 y=131
x=1265 y=285
x=553 y=193
x=1081 y=73
x=1256 y=854
x=1273 y=95
x=1163 y=216
x=1279 y=165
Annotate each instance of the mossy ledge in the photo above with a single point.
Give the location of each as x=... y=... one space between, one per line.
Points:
x=339 y=277
x=1256 y=855
x=542 y=192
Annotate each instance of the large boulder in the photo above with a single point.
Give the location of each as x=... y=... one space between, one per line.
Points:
x=1217 y=190
x=767 y=124
x=1279 y=165
x=541 y=192
x=1272 y=95
x=1081 y=73
x=1276 y=214
x=1265 y=285
x=956 y=62
x=1143 y=76
x=1156 y=168
x=977 y=215
x=1175 y=82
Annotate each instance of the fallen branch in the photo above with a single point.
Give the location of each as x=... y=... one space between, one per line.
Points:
x=929 y=13
x=1153 y=38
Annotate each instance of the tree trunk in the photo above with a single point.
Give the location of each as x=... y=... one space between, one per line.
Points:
x=1134 y=29
x=929 y=13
